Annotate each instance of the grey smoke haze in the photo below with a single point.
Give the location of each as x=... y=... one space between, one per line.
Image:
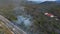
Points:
x=18 y=2
x=26 y=21
x=14 y=2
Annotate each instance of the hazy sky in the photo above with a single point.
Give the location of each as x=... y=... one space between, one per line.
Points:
x=42 y=0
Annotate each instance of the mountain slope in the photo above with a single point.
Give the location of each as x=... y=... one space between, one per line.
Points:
x=42 y=23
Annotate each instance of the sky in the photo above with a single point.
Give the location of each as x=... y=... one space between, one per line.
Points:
x=42 y=0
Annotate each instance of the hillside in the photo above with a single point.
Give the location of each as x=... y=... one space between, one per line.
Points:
x=42 y=23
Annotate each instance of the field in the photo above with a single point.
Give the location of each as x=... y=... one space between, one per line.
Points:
x=4 y=29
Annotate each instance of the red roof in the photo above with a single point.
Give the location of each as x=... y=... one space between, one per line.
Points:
x=49 y=14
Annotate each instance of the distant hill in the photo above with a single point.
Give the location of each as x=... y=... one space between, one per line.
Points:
x=45 y=5
x=33 y=2
x=39 y=2
x=58 y=1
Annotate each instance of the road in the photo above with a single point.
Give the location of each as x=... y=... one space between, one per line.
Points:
x=14 y=29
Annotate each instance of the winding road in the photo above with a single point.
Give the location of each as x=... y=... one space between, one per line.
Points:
x=13 y=28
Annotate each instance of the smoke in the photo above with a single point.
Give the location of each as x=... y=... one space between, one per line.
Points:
x=24 y=20
x=18 y=2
